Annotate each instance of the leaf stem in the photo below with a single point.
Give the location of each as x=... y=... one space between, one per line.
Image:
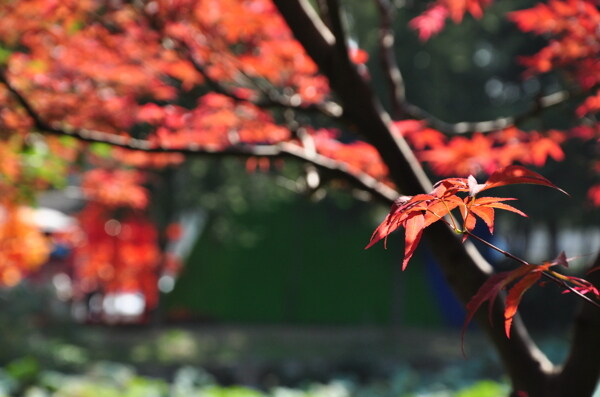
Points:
x=500 y=250
x=456 y=229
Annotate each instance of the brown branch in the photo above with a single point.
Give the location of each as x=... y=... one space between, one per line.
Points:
x=388 y=58
x=581 y=371
x=335 y=168
x=468 y=127
x=334 y=16
x=548 y=274
x=361 y=109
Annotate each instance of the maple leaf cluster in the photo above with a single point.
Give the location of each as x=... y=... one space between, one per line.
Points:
x=117 y=254
x=485 y=153
x=360 y=157
x=573 y=48
x=115 y=188
x=204 y=76
x=416 y=213
x=119 y=66
x=222 y=121
x=574 y=43
x=117 y=249
x=433 y=20
x=518 y=281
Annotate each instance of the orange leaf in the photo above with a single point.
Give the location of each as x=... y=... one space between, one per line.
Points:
x=440 y=209
x=486 y=214
x=507 y=207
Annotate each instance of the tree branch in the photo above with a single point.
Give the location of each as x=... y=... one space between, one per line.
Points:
x=334 y=16
x=388 y=58
x=335 y=168
x=401 y=108
x=468 y=127
x=581 y=371
x=361 y=109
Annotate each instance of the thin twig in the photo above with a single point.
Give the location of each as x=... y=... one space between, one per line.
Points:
x=468 y=127
x=549 y=276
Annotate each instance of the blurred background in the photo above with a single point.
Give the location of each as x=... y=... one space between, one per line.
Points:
x=267 y=290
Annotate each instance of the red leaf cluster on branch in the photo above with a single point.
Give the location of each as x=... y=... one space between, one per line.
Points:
x=416 y=213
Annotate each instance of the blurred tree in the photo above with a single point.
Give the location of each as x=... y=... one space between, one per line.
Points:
x=152 y=81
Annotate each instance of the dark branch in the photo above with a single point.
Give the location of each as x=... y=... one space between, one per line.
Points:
x=581 y=371
x=548 y=274
x=388 y=58
x=467 y=127
x=336 y=169
x=334 y=14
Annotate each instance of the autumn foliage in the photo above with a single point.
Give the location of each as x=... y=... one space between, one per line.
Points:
x=157 y=80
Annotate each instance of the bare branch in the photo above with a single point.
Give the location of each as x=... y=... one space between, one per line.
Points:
x=388 y=58
x=468 y=127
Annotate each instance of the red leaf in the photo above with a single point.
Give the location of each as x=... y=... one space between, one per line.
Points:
x=386 y=227
x=414 y=230
x=490 y=290
x=430 y=22
x=358 y=56
x=440 y=209
x=484 y=207
x=487 y=292
x=398 y=215
x=514 y=297
x=516 y=174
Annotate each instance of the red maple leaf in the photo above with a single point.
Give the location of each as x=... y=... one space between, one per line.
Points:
x=430 y=22
x=415 y=213
x=518 y=281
